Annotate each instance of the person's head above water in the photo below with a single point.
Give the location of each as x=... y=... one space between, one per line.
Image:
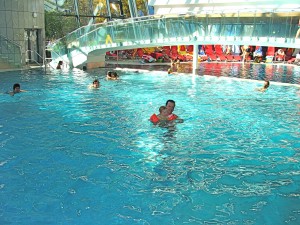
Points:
x=96 y=83
x=170 y=105
x=265 y=87
x=112 y=75
x=267 y=84
x=16 y=88
x=163 y=111
x=59 y=65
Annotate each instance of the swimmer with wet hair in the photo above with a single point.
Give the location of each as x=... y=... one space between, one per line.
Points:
x=265 y=87
x=59 y=65
x=16 y=89
x=112 y=75
x=95 y=84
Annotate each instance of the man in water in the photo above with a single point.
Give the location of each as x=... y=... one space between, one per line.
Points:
x=168 y=115
x=170 y=105
x=96 y=84
x=59 y=65
x=16 y=89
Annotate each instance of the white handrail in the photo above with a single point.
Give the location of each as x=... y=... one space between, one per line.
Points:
x=31 y=51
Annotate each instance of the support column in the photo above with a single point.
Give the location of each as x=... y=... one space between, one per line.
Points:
x=108 y=9
x=95 y=60
x=132 y=8
x=195 y=59
x=77 y=12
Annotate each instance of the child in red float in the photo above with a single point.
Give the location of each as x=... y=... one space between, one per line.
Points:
x=162 y=116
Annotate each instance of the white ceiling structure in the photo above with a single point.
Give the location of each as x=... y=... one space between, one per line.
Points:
x=163 y=7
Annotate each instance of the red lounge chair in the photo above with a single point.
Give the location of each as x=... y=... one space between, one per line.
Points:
x=182 y=48
x=167 y=50
x=219 y=53
x=237 y=58
x=210 y=52
x=222 y=57
x=181 y=57
x=140 y=53
x=157 y=55
x=212 y=57
x=291 y=60
x=289 y=54
x=174 y=54
x=190 y=49
x=111 y=55
x=229 y=57
x=203 y=57
x=208 y=49
x=189 y=52
x=188 y=57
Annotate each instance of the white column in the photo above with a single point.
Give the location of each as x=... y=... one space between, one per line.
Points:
x=195 y=59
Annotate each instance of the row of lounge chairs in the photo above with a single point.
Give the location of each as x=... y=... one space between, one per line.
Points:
x=206 y=53
x=217 y=54
x=271 y=54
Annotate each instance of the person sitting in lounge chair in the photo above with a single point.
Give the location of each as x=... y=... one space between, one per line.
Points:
x=257 y=54
x=280 y=55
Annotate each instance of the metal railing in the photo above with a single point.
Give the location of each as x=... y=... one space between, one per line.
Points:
x=49 y=61
x=31 y=59
x=10 y=52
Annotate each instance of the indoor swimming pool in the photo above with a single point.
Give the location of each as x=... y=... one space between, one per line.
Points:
x=74 y=155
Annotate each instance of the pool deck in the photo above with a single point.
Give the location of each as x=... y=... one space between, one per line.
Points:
x=10 y=70
x=138 y=62
x=20 y=69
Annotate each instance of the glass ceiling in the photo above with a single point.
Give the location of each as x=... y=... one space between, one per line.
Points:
x=186 y=6
x=223 y=6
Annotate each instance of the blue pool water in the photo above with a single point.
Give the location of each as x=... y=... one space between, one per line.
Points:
x=71 y=155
